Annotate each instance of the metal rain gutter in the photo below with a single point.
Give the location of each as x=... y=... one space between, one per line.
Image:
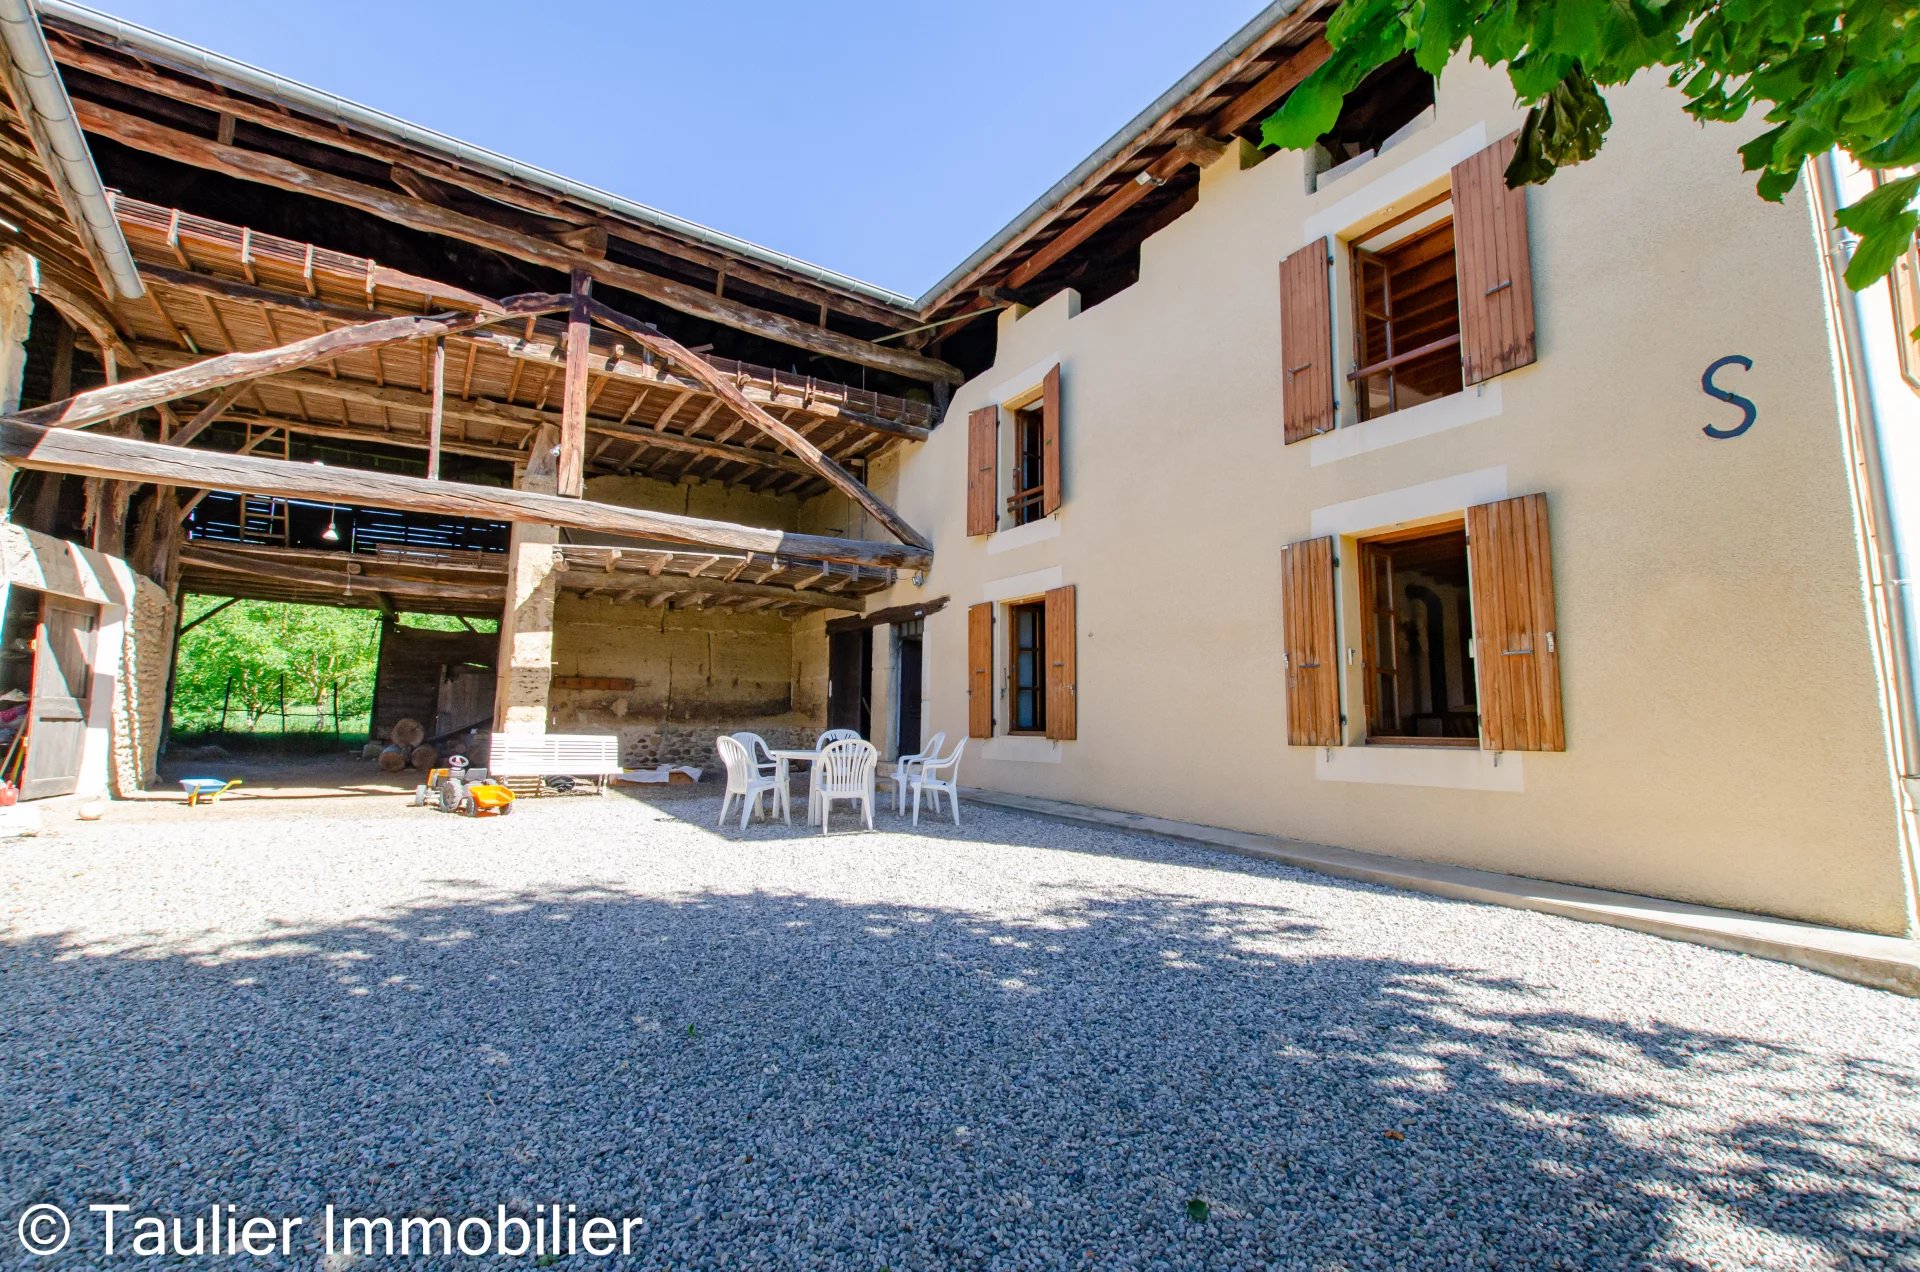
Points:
x=1236 y=44
x=26 y=48
x=242 y=77
x=1883 y=416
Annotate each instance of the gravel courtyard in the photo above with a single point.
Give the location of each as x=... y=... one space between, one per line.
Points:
x=1018 y=1045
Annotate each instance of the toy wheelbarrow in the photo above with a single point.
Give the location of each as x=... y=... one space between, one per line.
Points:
x=206 y=790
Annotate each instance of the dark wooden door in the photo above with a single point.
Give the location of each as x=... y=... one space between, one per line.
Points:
x=62 y=681
x=850 y=681
x=907 y=725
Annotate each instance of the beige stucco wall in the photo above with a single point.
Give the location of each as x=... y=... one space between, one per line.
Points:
x=1725 y=737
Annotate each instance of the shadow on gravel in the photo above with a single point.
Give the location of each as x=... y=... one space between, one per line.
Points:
x=791 y=1081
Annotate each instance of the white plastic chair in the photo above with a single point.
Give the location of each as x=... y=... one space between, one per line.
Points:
x=926 y=778
x=831 y=736
x=903 y=770
x=743 y=779
x=759 y=752
x=845 y=771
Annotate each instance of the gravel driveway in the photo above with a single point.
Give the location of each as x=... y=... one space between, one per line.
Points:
x=1020 y=1045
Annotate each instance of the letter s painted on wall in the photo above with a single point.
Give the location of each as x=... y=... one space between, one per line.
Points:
x=1749 y=412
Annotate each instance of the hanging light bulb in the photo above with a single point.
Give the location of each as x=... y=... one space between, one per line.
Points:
x=330 y=534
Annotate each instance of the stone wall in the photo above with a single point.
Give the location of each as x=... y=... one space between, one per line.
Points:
x=694 y=676
x=139 y=713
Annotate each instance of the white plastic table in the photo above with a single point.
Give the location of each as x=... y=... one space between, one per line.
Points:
x=782 y=759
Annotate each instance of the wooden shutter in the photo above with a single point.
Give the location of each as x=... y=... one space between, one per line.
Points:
x=1306 y=342
x=983 y=470
x=1493 y=263
x=1063 y=706
x=1050 y=443
x=980 y=670
x=1511 y=559
x=1310 y=653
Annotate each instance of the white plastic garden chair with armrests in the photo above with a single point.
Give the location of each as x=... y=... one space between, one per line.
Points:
x=927 y=777
x=902 y=771
x=831 y=736
x=743 y=779
x=845 y=771
x=759 y=752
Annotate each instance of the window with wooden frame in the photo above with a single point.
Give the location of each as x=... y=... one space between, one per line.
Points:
x=1039 y=675
x=1029 y=467
x=1406 y=311
x=1031 y=461
x=1457 y=630
x=1417 y=637
x=1442 y=299
x=1027 y=667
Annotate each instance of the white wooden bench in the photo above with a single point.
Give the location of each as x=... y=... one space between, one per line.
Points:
x=594 y=756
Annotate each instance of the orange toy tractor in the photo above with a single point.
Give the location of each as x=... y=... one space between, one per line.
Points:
x=460 y=789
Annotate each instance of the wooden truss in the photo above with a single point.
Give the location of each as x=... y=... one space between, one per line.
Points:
x=50 y=438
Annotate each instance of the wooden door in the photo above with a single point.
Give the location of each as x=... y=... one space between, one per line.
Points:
x=906 y=733
x=62 y=682
x=850 y=681
x=1309 y=648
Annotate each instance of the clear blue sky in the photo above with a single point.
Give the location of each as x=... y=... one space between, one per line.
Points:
x=883 y=138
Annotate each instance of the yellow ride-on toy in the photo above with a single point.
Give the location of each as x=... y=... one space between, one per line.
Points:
x=460 y=789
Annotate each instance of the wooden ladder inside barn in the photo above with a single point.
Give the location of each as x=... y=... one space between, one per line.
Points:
x=263 y=519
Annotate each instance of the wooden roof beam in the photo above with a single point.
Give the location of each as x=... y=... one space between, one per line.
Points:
x=1186 y=148
x=196 y=555
x=403 y=209
x=632 y=583
x=1270 y=88
x=92 y=454
x=537 y=349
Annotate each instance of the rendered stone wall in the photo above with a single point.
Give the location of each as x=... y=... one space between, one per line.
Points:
x=695 y=676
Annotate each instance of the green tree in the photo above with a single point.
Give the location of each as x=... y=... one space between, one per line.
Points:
x=1825 y=74
x=256 y=647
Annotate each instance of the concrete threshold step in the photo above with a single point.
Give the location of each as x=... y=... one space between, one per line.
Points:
x=1883 y=962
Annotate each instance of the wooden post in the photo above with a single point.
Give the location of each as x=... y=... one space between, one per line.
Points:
x=437 y=412
x=571 y=480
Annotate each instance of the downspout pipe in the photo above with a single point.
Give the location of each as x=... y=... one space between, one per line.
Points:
x=1883 y=418
x=26 y=48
